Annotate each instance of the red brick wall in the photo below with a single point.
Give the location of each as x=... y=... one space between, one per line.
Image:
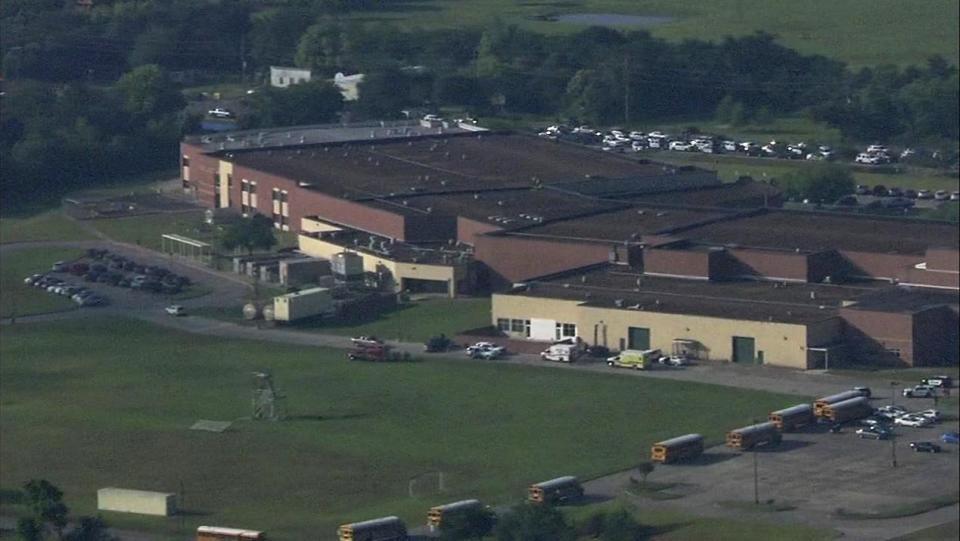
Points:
x=202 y=170
x=943 y=259
x=303 y=202
x=935 y=337
x=514 y=259
x=868 y=334
x=768 y=264
x=873 y=265
x=468 y=230
x=677 y=262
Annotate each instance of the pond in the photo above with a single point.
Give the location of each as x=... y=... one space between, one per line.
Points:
x=613 y=19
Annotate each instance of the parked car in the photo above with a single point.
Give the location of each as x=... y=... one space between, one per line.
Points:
x=680 y=146
x=379 y=352
x=59 y=266
x=944 y=382
x=910 y=193
x=920 y=391
x=366 y=341
x=924 y=194
x=220 y=112
x=29 y=280
x=485 y=350
x=950 y=437
x=941 y=195
x=891 y=412
x=175 y=310
x=925 y=447
x=955 y=196
x=438 y=344
x=876 y=422
x=932 y=414
x=873 y=433
x=862 y=189
x=916 y=421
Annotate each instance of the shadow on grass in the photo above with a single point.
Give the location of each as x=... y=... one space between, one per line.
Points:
x=328 y=417
x=906 y=510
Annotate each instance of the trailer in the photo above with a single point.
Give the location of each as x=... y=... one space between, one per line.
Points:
x=302 y=304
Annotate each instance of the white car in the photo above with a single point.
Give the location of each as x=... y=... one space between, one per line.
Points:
x=955 y=196
x=941 y=195
x=175 y=310
x=485 y=347
x=680 y=146
x=913 y=420
x=891 y=412
x=924 y=194
x=920 y=391
x=730 y=146
x=435 y=118
x=220 y=112
x=867 y=159
x=878 y=149
x=657 y=134
x=637 y=136
x=932 y=414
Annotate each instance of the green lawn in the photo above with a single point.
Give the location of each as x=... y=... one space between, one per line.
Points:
x=146 y=230
x=50 y=225
x=944 y=532
x=418 y=321
x=859 y=32
x=17 y=298
x=95 y=403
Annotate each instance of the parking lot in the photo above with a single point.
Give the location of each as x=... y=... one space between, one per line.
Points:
x=817 y=472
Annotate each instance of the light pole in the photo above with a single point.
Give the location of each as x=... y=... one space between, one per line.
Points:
x=756 y=475
x=893 y=393
x=893 y=437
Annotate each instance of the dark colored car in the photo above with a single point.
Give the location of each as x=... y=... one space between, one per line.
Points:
x=925 y=447
x=78 y=269
x=880 y=190
x=438 y=344
x=910 y=194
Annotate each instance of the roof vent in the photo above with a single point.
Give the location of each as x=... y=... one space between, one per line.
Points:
x=566 y=286
x=500 y=203
x=641 y=212
x=618 y=303
x=476 y=196
x=405 y=203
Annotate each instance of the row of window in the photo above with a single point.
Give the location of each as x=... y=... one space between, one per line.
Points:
x=280 y=195
x=521 y=327
x=249 y=186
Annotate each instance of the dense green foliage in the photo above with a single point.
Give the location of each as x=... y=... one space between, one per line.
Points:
x=822 y=183
x=528 y=522
x=249 y=234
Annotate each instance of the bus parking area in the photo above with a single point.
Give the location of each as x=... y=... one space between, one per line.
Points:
x=814 y=476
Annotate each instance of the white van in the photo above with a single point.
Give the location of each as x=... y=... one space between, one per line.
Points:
x=565 y=353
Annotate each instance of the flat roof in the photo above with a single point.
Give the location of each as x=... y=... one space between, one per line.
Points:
x=432 y=253
x=731 y=195
x=505 y=209
x=292 y=136
x=810 y=231
x=907 y=299
x=626 y=224
x=615 y=287
x=439 y=164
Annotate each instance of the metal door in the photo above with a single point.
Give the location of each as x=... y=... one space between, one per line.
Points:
x=743 y=350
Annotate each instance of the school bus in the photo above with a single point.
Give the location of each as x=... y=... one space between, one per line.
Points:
x=753 y=435
x=378 y=529
x=679 y=448
x=833 y=399
x=848 y=410
x=556 y=490
x=216 y=533
x=437 y=514
x=792 y=418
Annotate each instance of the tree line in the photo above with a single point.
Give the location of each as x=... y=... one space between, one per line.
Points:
x=93 y=88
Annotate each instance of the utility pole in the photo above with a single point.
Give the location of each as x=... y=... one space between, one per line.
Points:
x=756 y=479
x=626 y=91
x=243 y=57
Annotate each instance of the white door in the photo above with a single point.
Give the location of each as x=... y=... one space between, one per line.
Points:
x=543 y=329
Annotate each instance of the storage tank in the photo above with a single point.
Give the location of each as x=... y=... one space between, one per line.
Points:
x=268 y=312
x=251 y=311
x=347 y=267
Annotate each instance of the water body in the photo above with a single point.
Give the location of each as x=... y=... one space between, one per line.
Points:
x=613 y=19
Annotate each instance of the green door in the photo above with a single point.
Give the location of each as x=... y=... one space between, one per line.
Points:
x=638 y=338
x=743 y=350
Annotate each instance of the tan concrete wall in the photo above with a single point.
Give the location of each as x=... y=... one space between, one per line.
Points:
x=224 y=169
x=311 y=225
x=782 y=344
x=400 y=270
x=136 y=501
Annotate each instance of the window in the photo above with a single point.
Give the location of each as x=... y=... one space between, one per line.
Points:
x=244 y=185
x=276 y=220
x=244 y=208
x=229 y=179
x=566 y=330
x=186 y=161
x=283 y=196
x=281 y=80
x=285 y=220
x=503 y=324
x=216 y=179
x=894 y=351
x=186 y=183
x=253 y=187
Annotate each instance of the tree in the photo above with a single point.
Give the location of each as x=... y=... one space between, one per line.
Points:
x=383 y=94
x=29 y=529
x=46 y=506
x=820 y=183
x=90 y=529
x=320 y=48
x=472 y=523
x=249 y=233
x=314 y=102
x=645 y=469
x=621 y=526
x=528 y=522
x=147 y=92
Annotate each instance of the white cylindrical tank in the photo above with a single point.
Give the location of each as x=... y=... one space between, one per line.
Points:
x=268 y=312
x=251 y=311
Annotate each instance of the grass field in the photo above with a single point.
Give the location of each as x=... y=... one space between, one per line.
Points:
x=145 y=230
x=943 y=532
x=49 y=225
x=95 y=403
x=17 y=298
x=418 y=321
x=859 y=32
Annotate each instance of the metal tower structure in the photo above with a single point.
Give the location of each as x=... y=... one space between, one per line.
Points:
x=267 y=402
